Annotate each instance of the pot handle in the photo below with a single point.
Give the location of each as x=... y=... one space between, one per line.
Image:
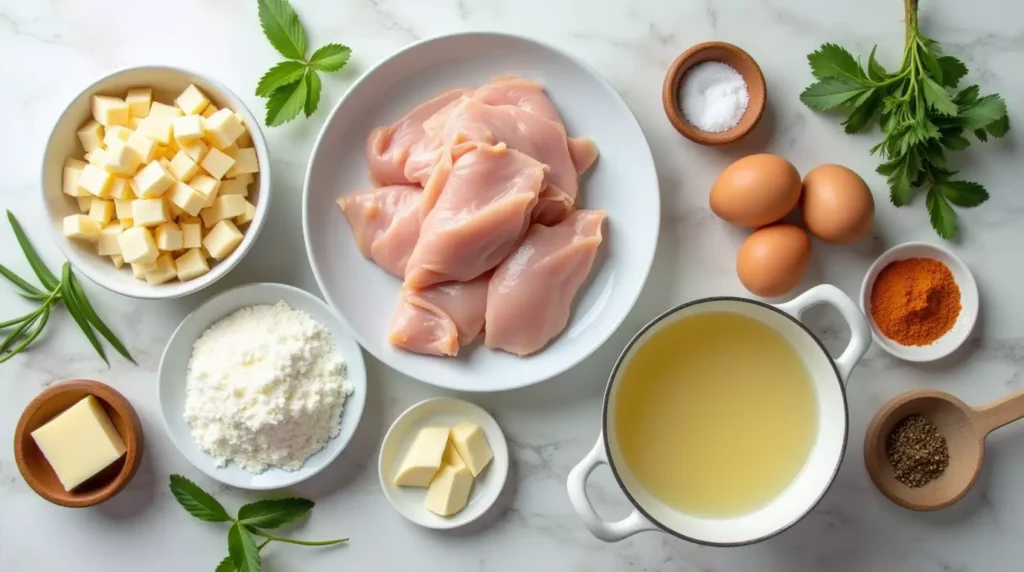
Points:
x=860 y=333
x=577 y=484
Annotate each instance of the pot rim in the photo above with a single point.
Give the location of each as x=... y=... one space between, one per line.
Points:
x=611 y=381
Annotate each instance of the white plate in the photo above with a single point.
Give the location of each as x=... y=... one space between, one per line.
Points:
x=174 y=367
x=964 y=324
x=623 y=182
x=445 y=412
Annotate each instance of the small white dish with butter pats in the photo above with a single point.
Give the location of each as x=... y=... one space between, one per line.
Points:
x=472 y=469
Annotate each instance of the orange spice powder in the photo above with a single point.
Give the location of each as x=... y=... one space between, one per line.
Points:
x=915 y=301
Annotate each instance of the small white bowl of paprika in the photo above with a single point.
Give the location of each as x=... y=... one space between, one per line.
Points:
x=921 y=301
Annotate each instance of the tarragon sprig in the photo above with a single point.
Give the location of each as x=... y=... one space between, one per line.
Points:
x=293 y=86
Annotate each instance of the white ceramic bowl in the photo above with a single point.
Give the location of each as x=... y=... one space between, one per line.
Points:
x=445 y=412
x=623 y=182
x=174 y=368
x=167 y=83
x=960 y=331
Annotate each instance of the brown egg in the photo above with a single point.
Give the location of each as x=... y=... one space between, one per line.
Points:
x=836 y=204
x=773 y=259
x=756 y=190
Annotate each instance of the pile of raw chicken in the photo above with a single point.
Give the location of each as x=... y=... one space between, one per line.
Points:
x=474 y=207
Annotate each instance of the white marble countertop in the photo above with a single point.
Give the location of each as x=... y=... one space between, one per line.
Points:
x=54 y=47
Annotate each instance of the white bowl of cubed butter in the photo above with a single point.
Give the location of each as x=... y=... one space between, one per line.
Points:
x=156 y=181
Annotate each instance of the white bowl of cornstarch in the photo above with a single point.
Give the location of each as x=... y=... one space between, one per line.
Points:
x=261 y=387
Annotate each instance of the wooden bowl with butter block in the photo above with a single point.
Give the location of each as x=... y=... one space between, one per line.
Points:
x=78 y=443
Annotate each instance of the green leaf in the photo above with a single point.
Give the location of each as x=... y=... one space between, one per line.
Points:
x=226 y=565
x=876 y=71
x=285 y=104
x=282 y=27
x=967 y=96
x=20 y=282
x=954 y=141
x=46 y=278
x=981 y=134
x=330 y=58
x=273 y=513
x=862 y=115
x=312 y=92
x=830 y=93
x=72 y=288
x=942 y=215
x=833 y=61
x=962 y=193
x=931 y=65
x=18 y=331
x=999 y=127
x=282 y=74
x=242 y=548
x=78 y=314
x=953 y=70
x=31 y=338
x=196 y=501
x=937 y=97
x=982 y=112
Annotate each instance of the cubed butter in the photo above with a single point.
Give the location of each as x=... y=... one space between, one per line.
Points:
x=126 y=223
x=117 y=259
x=187 y=128
x=101 y=211
x=172 y=208
x=72 y=177
x=133 y=123
x=107 y=244
x=165 y=163
x=139 y=100
x=245 y=139
x=120 y=159
x=121 y=190
x=449 y=490
x=210 y=110
x=110 y=110
x=225 y=207
x=186 y=198
x=164 y=271
x=234 y=187
x=91 y=135
x=183 y=167
x=143 y=145
x=85 y=203
x=247 y=216
x=149 y=212
x=159 y=128
x=168 y=237
x=216 y=163
x=191 y=234
x=137 y=246
x=96 y=180
x=222 y=239
x=80 y=442
x=139 y=269
x=96 y=156
x=195 y=150
x=207 y=186
x=245 y=163
x=223 y=128
x=116 y=133
x=123 y=208
x=471 y=443
x=81 y=227
x=163 y=110
x=423 y=458
x=191 y=265
x=153 y=180
x=192 y=101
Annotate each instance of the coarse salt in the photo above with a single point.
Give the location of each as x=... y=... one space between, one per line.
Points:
x=713 y=97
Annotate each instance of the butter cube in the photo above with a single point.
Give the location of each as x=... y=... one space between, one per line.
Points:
x=191 y=234
x=245 y=139
x=247 y=216
x=137 y=245
x=81 y=227
x=107 y=244
x=149 y=212
x=123 y=208
x=195 y=150
x=222 y=239
x=225 y=207
x=91 y=135
x=223 y=128
x=164 y=271
x=121 y=190
x=159 y=128
x=143 y=145
x=172 y=208
x=120 y=159
x=96 y=180
x=101 y=211
x=126 y=223
x=72 y=176
x=170 y=152
x=192 y=101
x=117 y=259
x=153 y=180
x=246 y=178
x=133 y=123
x=451 y=457
x=217 y=163
x=183 y=167
x=234 y=187
x=186 y=198
x=116 y=133
x=96 y=156
x=80 y=442
x=191 y=265
x=449 y=491
x=163 y=110
x=85 y=203
x=139 y=100
x=245 y=163
x=165 y=163
x=471 y=443
x=210 y=110
x=110 y=110
x=187 y=128
x=207 y=186
x=423 y=458
x=168 y=237
x=139 y=269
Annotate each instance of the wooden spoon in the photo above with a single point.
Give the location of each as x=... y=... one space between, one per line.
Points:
x=964 y=428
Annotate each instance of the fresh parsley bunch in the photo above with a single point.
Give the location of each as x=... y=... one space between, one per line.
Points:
x=921 y=120
x=293 y=85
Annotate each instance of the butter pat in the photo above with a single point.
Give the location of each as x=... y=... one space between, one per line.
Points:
x=149 y=212
x=120 y=190
x=72 y=173
x=115 y=133
x=120 y=159
x=80 y=442
x=195 y=150
x=81 y=227
x=451 y=457
x=91 y=135
x=423 y=459
x=139 y=100
x=187 y=128
x=101 y=211
x=191 y=234
x=95 y=180
x=192 y=101
x=163 y=110
x=164 y=271
x=223 y=128
x=217 y=163
x=186 y=198
x=234 y=187
x=191 y=265
x=207 y=186
x=109 y=111
x=153 y=180
x=228 y=206
x=449 y=490
x=107 y=245
x=183 y=167
x=168 y=237
x=471 y=443
x=245 y=163
x=137 y=246
x=144 y=146
x=159 y=128
x=222 y=239
x=247 y=216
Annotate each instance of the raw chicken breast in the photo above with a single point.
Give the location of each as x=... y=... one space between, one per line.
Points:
x=386 y=223
x=387 y=148
x=440 y=319
x=524 y=94
x=484 y=197
x=583 y=153
x=530 y=294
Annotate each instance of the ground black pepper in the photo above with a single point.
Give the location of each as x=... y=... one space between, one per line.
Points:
x=917 y=451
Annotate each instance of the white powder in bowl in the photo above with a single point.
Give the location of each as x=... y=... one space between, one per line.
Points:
x=713 y=97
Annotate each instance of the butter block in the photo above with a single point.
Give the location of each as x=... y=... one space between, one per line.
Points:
x=191 y=265
x=223 y=128
x=186 y=198
x=137 y=246
x=187 y=128
x=217 y=163
x=116 y=133
x=139 y=100
x=109 y=111
x=101 y=211
x=195 y=150
x=449 y=490
x=163 y=110
x=471 y=443
x=149 y=212
x=451 y=457
x=143 y=145
x=80 y=442
x=245 y=163
x=192 y=101
x=107 y=244
x=72 y=175
x=120 y=159
x=81 y=227
x=91 y=135
x=153 y=180
x=164 y=271
x=168 y=237
x=96 y=180
x=222 y=239
x=246 y=217
x=423 y=459
x=183 y=167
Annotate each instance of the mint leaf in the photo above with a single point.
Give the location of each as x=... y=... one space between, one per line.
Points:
x=330 y=58
x=962 y=193
x=282 y=27
x=196 y=501
x=953 y=70
x=242 y=548
x=282 y=74
x=942 y=215
x=833 y=61
x=312 y=92
x=830 y=93
x=285 y=104
x=876 y=71
x=226 y=565
x=274 y=512
x=982 y=112
x=937 y=97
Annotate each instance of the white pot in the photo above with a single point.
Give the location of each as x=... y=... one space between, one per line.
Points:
x=811 y=483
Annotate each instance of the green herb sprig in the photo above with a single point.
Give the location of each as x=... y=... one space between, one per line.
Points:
x=253 y=520
x=25 y=329
x=921 y=120
x=293 y=85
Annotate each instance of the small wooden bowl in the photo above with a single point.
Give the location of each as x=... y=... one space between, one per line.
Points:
x=37 y=471
x=714 y=52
